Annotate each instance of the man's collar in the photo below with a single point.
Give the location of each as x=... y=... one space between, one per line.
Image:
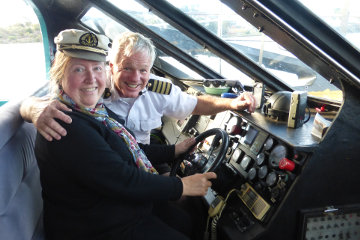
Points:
x=115 y=94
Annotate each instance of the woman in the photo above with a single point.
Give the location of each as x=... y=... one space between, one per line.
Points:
x=97 y=182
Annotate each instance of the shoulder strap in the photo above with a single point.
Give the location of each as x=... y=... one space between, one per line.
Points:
x=159 y=86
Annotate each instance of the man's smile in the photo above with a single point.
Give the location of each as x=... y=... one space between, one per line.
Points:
x=133 y=85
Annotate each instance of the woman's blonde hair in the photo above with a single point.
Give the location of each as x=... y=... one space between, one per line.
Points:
x=57 y=71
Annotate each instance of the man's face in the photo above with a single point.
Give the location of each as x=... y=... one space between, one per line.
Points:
x=131 y=74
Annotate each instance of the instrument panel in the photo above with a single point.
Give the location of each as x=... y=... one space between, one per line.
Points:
x=267 y=165
x=262 y=163
x=263 y=168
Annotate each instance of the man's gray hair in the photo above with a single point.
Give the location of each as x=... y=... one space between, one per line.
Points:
x=129 y=43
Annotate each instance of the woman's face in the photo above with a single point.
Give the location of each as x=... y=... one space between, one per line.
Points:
x=84 y=81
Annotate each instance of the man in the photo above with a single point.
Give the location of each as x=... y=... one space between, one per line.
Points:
x=139 y=102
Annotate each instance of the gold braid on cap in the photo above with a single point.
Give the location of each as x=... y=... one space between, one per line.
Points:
x=80 y=47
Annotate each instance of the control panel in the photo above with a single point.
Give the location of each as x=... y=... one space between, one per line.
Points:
x=267 y=165
x=261 y=164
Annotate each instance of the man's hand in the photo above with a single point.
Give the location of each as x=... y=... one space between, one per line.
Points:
x=245 y=101
x=197 y=184
x=42 y=114
x=184 y=146
x=209 y=105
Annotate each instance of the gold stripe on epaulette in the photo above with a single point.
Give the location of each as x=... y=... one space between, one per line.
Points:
x=163 y=89
x=155 y=83
x=158 y=89
x=168 y=88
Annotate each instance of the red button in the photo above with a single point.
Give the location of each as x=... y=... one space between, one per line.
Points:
x=286 y=164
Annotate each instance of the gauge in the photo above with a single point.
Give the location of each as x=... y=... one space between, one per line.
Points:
x=268 y=144
x=260 y=158
x=263 y=170
x=278 y=153
x=271 y=179
x=252 y=173
x=233 y=126
x=245 y=162
x=236 y=155
x=229 y=151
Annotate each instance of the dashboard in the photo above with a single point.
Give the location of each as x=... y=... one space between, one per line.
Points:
x=263 y=161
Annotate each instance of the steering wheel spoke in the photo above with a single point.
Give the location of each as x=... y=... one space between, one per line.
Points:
x=205 y=159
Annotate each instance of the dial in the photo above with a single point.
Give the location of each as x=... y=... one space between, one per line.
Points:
x=245 y=162
x=252 y=173
x=260 y=158
x=278 y=153
x=271 y=179
x=233 y=126
x=236 y=155
x=263 y=171
x=229 y=151
x=268 y=144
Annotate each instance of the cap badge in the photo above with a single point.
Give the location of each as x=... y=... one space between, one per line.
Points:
x=88 y=39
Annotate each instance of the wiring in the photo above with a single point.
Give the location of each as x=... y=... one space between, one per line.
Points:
x=215 y=212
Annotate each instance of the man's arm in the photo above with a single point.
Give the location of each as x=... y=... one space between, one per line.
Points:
x=42 y=112
x=209 y=105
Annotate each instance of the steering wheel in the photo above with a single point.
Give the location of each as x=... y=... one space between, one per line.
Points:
x=208 y=160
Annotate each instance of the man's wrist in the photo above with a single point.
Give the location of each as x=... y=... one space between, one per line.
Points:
x=25 y=110
x=28 y=106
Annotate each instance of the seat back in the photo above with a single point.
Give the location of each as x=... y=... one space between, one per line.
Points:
x=20 y=190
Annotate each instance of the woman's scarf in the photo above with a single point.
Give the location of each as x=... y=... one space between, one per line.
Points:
x=100 y=114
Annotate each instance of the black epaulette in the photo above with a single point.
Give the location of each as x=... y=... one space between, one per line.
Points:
x=159 y=86
x=107 y=93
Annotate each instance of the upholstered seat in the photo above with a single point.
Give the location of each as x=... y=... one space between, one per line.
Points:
x=20 y=190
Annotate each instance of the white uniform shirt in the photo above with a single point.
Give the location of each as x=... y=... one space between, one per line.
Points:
x=142 y=114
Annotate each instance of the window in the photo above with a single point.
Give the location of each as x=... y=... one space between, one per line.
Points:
x=342 y=16
x=233 y=29
x=220 y=20
x=94 y=18
x=22 y=53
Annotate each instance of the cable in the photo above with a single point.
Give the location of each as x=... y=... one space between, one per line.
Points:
x=213 y=227
x=215 y=211
x=308 y=115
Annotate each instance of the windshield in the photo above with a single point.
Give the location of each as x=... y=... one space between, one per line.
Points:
x=342 y=16
x=232 y=29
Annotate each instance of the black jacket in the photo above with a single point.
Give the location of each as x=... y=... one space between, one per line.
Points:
x=92 y=188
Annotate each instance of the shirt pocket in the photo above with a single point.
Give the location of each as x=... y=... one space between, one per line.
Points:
x=149 y=124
